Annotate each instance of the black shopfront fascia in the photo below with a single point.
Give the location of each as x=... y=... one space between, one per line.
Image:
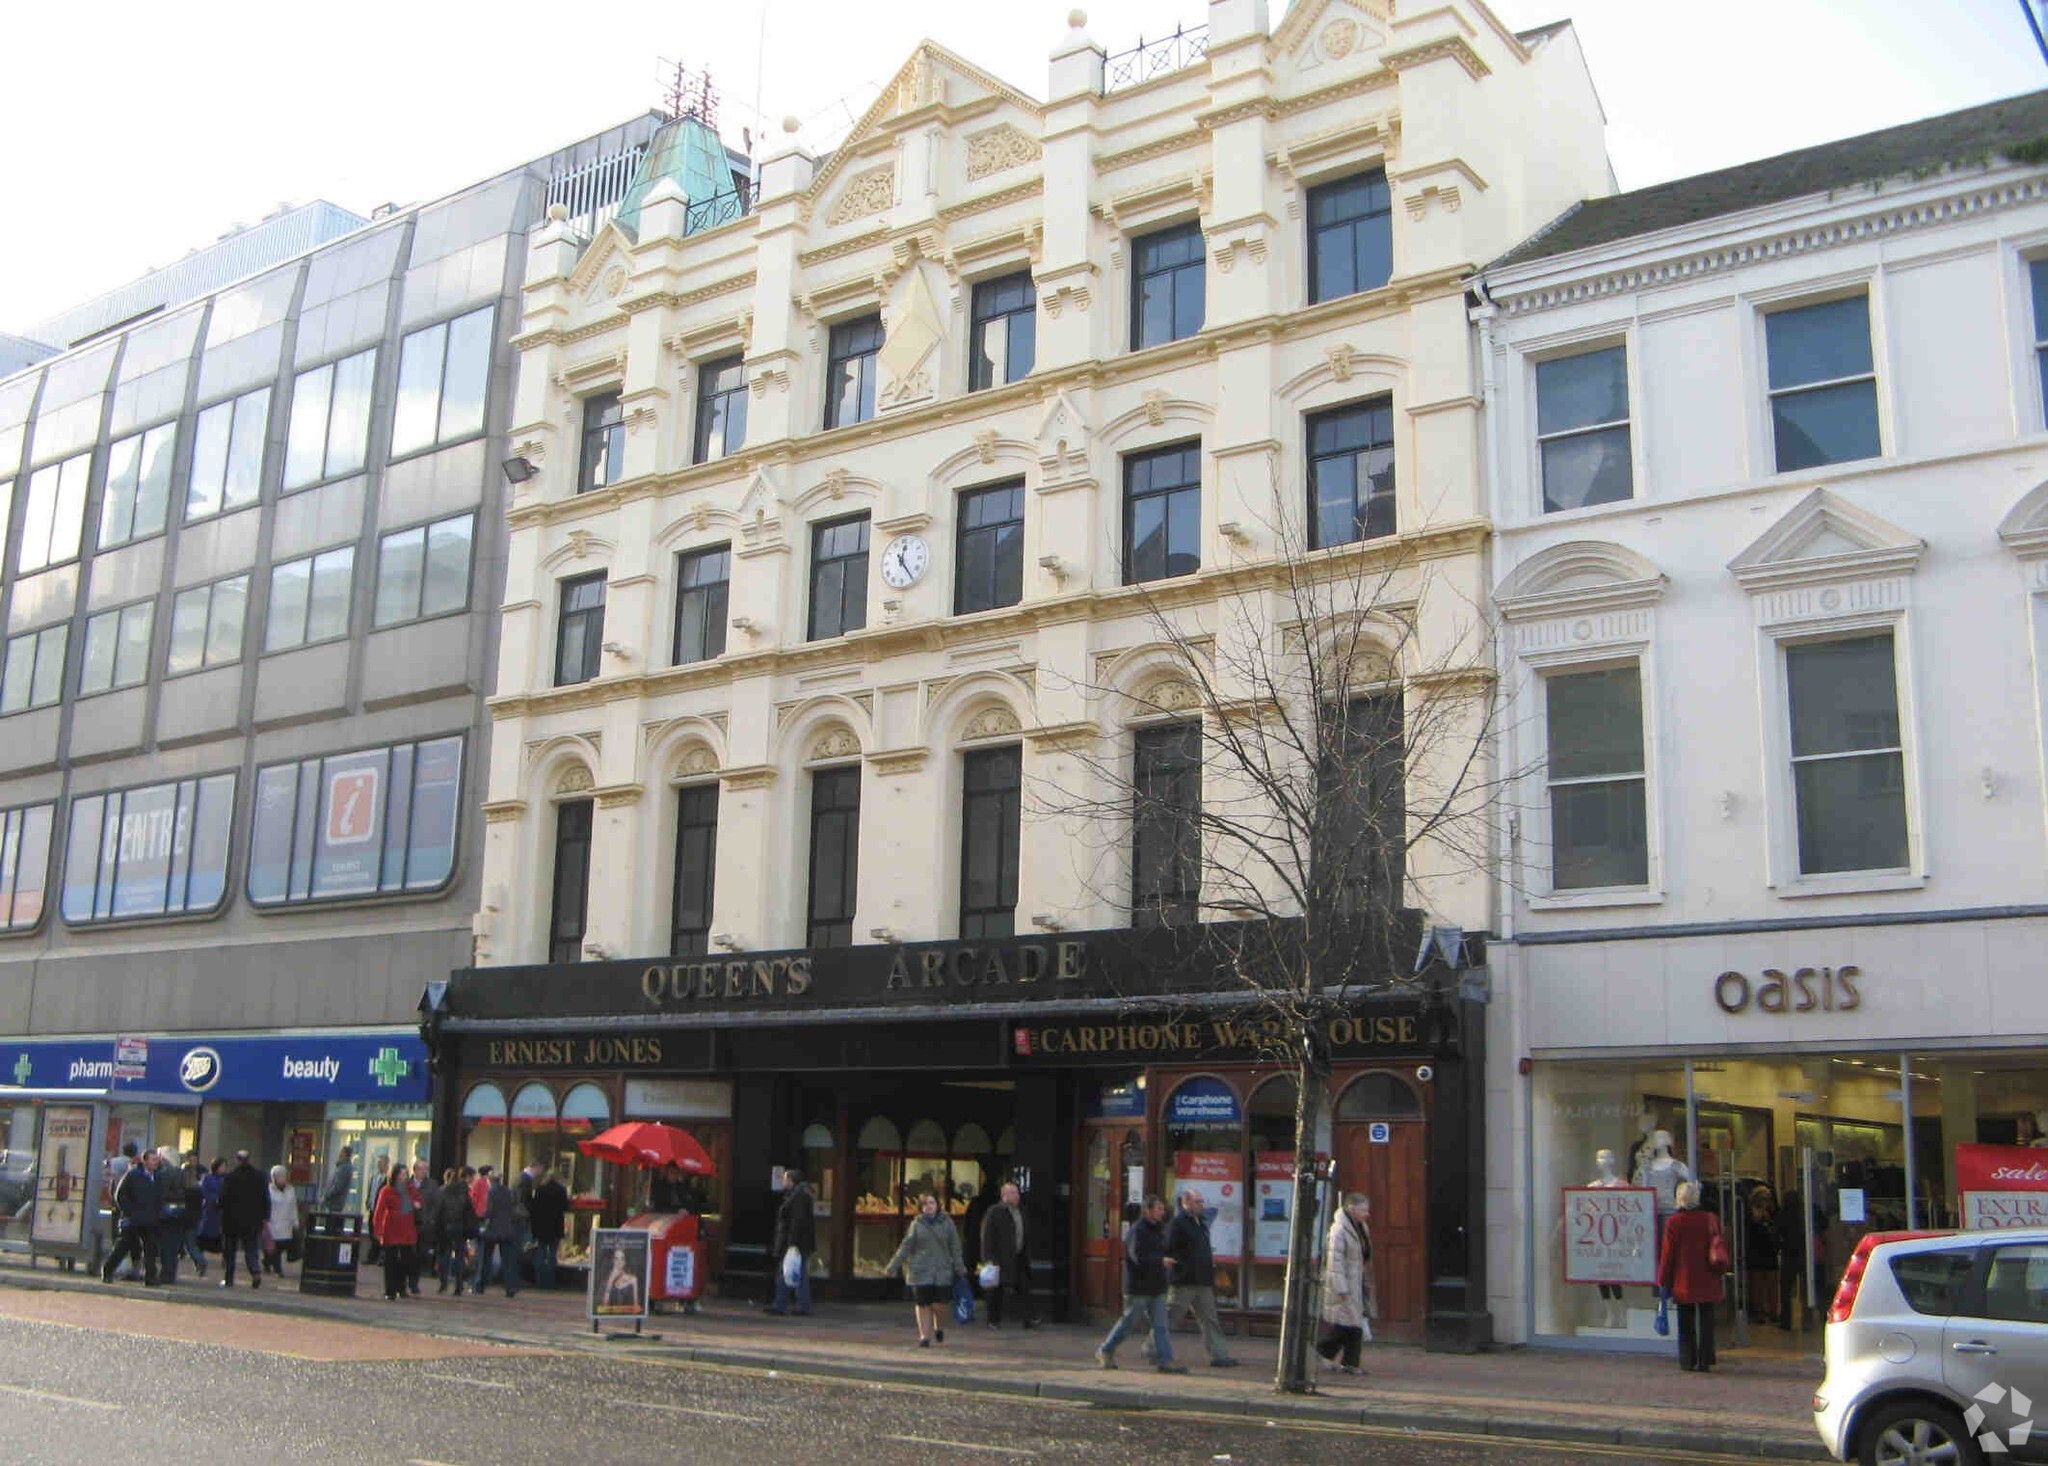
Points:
x=1040 y=1011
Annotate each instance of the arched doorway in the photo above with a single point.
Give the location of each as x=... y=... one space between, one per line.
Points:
x=1382 y=1150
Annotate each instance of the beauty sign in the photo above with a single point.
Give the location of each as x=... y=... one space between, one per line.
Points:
x=1610 y=1234
x=2002 y=1186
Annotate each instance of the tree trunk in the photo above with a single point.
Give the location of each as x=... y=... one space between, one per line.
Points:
x=1299 y=1306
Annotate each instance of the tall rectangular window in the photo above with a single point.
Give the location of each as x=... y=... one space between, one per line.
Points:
x=206 y=625
x=990 y=558
x=1005 y=337
x=330 y=426
x=991 y=811
x=424 y=571
x=2037 y=279
x=33 y=674
x=309 y=599
x=24 y=865
x=1848 y=762
x=1163 y=513
x=1350 y=236
x=604 y=442
x=1823 y=383
x=721 y=409
x=1365 y=789
x=1166 y=825
x=444 y=375
x=1582 y=429
x=1168 y=283
x=703 y=581
x=138 y=489
x=835 y=857
x=53 y=514
x=1599 y=788
x=116 y=648
x=570 y=916
x=839 y=577
x=227 y=456
x=850 y=371
x=579 y=633
x=696 y=860
x=1351 y=473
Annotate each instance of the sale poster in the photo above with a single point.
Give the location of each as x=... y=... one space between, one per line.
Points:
x=2002 y=1186
x=1273 y=1203
x=1219 y=1176
x=62 y=1164
x=1610 y=1234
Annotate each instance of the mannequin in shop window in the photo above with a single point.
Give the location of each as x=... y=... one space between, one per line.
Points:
x=1663 y=1173
x=2040 y=1140
x=1610 y=1293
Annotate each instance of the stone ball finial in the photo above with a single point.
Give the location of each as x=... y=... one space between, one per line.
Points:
x=791 y=125
x=558 y=211
x=1077 y=17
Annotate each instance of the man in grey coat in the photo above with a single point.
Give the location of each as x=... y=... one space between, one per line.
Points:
x=500 y=1234
x=340 y=1191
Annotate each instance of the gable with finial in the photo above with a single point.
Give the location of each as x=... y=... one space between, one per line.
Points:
x=600 y=276
x=1062 y=442
x=1326 y=38
x=761 y=517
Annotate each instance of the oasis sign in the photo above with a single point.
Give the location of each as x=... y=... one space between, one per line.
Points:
x=1804 y=990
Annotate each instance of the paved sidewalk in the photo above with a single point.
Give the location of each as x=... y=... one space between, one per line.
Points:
x=1753 y=1405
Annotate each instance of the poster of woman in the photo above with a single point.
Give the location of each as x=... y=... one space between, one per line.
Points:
x=61 y=1151
x=618 y=1273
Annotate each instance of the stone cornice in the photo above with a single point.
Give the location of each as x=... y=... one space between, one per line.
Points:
x=1016 y=193
x=1355 y=86
x=504 y=811
x=1449 y=48
x=617 y=796
x=1161 y=147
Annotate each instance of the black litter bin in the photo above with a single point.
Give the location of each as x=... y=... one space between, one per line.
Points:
x=333 y=1248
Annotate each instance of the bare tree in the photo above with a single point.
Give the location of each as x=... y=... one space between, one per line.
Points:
x=1310 y=762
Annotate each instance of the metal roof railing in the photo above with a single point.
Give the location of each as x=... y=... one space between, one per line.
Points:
x=1149 y=59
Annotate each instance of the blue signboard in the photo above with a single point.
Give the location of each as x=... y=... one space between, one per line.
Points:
x=1117 y=1102
x=1203 y=1101
x=389 y=1068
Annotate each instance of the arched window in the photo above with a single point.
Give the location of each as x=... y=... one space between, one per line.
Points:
x=1379 y=1096
x=586 y=1112
x=877 y=1199
x=924 y=1164
x=535 y=1135
x=483 y=1126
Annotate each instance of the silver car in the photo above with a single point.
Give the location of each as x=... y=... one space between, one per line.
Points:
x=1937 y=1350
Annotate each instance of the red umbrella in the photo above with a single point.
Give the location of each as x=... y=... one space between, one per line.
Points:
x=641 y=1143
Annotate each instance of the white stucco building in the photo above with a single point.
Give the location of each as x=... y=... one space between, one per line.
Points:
x=846 y=505
x=1770 y=484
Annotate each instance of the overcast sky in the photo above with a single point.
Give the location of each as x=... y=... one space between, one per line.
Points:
x=135 y=132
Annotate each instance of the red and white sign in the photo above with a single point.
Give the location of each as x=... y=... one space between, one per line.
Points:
x=351 y=806
x=131 y=1058
x=1610 y=1234
x=2002 y=1186
x=1219 y=1176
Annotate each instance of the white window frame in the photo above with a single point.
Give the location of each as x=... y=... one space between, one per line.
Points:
x=1869 y=283
x=1544 y=894
x=1606 y=339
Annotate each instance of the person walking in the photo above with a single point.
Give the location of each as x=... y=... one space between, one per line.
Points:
x=796 y=1225
x=1005 y=1247
x=453 y=1228
x=1350 y=1299
x=1690 y=1276
x=138 y=1214
x=548 y=1216
x=1191 y=1273
x=339 y=1194
x=929 y=1259
x=281 y=1229
x=394 y=1222
x=1760 y=1239
x=243 y=1208
x=178 y=1198
x=426 y=1253
x=499 y=1233
x=208 y=1232
x=1144 y=1289
x=118 y=1166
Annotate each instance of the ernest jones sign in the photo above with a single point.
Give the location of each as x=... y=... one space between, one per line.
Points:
x=2002 y=1186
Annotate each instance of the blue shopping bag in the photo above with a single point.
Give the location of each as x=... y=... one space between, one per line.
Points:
x=963 y=1300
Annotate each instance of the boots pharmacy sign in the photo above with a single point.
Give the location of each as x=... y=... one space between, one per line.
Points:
x=1610 y=1234
x=2002 y=1186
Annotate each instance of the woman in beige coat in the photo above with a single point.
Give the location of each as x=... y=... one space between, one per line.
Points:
x=1348 y=1296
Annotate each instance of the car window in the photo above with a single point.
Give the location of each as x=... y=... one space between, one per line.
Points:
x=2017 y=1286
x=1932 y=1282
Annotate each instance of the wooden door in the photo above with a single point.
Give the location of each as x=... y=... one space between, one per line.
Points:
x=716 y=1138
x=1392 y=1173
x=1109 y=1154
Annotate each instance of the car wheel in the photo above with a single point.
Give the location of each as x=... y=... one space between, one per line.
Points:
x=1917 y=1433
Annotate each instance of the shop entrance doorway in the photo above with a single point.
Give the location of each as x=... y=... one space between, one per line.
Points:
x=1382 y=1148
x=1113 y=1174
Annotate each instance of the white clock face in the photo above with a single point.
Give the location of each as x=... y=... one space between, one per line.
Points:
x=904 y=562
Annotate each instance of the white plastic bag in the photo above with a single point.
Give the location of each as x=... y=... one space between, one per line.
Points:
x=990 y=1275
x=792 y=1267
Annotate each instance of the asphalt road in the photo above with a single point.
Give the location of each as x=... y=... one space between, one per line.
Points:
x=88 y=1393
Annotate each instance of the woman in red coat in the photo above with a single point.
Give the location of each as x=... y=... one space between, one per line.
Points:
x=1688 y=1277
x=395 y=1223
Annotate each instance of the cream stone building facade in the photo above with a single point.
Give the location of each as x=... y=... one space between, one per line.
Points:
x=1234 y=255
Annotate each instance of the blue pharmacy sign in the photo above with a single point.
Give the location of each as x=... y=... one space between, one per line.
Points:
x=1203 y=1101
x=380 y=1067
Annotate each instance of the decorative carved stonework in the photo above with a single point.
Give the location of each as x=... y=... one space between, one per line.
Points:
x=868 y=192
x=579 y=544
x=899 y=761
x=991 y=722
x=695 y=761
x=835 y=742
x=998 y=148
x=614 y=281
x=985 y=445
x=504 y=811
x=1340 y=361
x=1173 y=695
x=574 y=780
x=1338 y=38
x=1155 y=408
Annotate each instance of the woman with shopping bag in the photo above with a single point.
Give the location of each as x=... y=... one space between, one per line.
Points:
x=929 y=1259
x=1349 y=1298
x=1689 y=1270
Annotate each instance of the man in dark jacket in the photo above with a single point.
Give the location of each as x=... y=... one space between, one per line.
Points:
x=244 y=1208
x=340 y=1192
x=1005 y=1243
x=1191 y=1265
x=548 y=1216
x=178 y=1206
x=1144 y=1289
x=796 y=1225
x=500 y=1234
x=138 y=1211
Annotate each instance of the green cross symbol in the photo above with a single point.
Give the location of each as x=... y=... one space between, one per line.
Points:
x=22 y=1069
x=388 y=1068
